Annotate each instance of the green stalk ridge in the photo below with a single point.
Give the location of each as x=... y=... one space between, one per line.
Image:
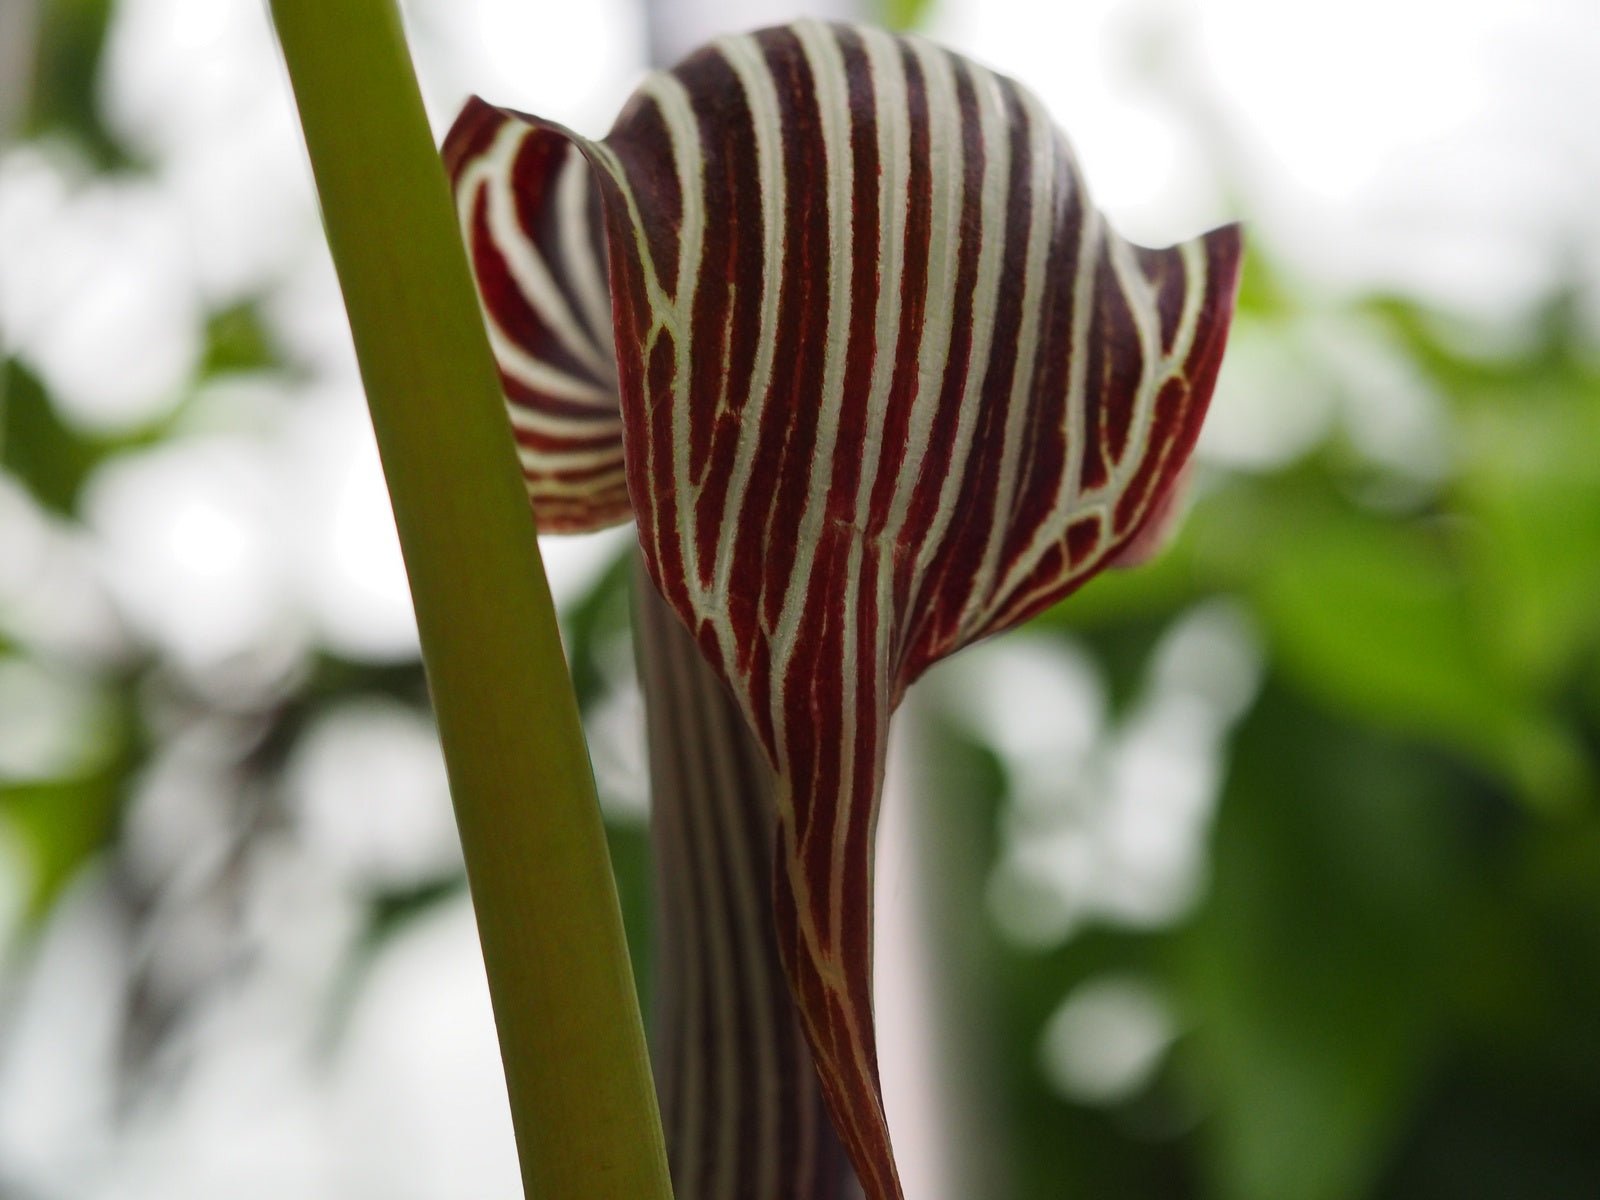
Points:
x=571 y=1038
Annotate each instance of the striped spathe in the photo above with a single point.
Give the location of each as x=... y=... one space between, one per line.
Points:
x=887 y=383
x=530 y=214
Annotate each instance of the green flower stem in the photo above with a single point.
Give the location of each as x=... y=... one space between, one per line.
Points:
x=570 y=1035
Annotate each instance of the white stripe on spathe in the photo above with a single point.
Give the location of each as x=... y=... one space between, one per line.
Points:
x=576 y=199
x=743 y=54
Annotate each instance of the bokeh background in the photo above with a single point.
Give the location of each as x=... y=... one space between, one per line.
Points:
x=1270 y=871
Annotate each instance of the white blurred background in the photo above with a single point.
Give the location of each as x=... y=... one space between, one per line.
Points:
x=1445 y=151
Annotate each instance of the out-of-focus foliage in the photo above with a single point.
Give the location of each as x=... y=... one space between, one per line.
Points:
x=1351 y=718
x=71 y=38
x=1389 y=985
x=903 y=14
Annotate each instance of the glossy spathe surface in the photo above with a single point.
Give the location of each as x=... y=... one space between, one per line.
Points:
x=887 y=384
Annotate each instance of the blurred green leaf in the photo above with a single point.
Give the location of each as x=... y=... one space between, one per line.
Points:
x=1532 y=487
x=53 y=459
x=903 y=15
x=1515 y=1113
x=1374 y=615
x=50 y=458
x=237 y=340
x=62 y=822
x=392 y=909
x=1373 y=618
x=1318 y=971
x=595 y=623
x=631 y=861
x=65 y=100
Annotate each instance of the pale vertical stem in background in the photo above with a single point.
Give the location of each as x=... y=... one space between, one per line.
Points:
x=577 y=1070
x=913 y=1083
x=740 y=1099
x=944 y=1097
x=19 y=29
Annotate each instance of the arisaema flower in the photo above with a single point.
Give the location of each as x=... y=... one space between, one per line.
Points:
x=829 y=314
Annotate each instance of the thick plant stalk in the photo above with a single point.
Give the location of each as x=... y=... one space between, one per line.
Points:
x=742 y=1106
x=577 y=1071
